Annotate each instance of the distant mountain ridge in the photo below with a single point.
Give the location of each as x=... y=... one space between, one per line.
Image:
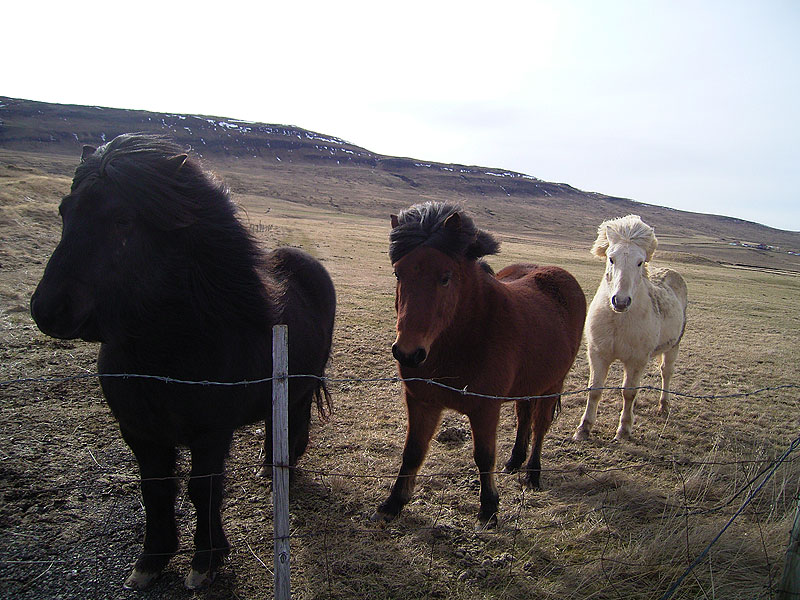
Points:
x=313 y=168
x=65 y=128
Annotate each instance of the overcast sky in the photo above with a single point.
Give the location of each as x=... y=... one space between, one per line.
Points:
x=687 y=104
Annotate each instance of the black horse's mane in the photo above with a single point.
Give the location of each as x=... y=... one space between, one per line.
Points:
x=164 y=184
x=172 y=193
x=424 y=225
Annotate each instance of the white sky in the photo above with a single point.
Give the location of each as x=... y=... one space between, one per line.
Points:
x=690 y=104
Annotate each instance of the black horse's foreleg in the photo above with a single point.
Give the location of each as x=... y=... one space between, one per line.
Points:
x=159 y=488
x=205 y=490
x=422 y=424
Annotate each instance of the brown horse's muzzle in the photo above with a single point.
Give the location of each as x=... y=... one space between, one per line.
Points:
x=413 y=359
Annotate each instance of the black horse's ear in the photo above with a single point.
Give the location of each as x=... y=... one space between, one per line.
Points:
x=175 y=163
x=87 y=152
x=395 y=221
x=453 y=222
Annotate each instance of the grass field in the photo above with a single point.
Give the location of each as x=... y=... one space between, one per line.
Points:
x=615 y=520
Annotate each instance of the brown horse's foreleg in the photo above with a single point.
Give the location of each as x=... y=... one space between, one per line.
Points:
x=519 y=453
x=633 y=375
x=598 y=371
x=544 y=412
x=422 y=423
x=484 y=442
x=667 y=365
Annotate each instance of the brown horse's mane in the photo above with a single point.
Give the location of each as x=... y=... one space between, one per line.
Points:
x=423 y=225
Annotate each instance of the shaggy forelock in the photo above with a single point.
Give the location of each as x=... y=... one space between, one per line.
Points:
x=423 y=225
x=156 y=177
x=628 y=229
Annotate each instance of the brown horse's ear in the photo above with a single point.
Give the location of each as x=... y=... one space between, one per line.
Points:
x=395 y=221
x=87 y=152
x=453 y=222
x=176 y=162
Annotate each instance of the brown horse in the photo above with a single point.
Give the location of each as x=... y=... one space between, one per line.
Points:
x=514 y=334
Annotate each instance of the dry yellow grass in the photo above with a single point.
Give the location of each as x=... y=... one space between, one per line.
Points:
x=615 y=520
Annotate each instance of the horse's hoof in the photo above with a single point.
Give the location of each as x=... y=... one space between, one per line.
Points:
x=534 y=486
x=511 y=467
x=486 y=524
x=381 y=518
x=663 y=411
x=623 y=436
x=140 y=580
x=581 y=435
x=196 y=580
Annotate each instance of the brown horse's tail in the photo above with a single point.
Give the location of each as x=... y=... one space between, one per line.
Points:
x=323 y=399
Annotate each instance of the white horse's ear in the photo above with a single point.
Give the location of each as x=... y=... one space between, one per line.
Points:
x=651 y=248
x=601 y=243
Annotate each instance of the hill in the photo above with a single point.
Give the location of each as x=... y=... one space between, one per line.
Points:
x=306 y=167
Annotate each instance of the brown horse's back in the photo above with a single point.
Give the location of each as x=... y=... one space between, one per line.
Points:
x=561 y=288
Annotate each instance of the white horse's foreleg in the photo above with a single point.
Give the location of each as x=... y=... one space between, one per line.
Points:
x=633 y=375
x=667 y=365
x=598 y=371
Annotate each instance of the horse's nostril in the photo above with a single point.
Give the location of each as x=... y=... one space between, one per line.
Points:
x=414 y=359
x=620 y=303
x=419 y=356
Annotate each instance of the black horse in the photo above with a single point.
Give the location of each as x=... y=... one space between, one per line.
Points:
x=154 y=264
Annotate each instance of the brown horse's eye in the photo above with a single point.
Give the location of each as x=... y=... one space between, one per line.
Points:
x=445 y=280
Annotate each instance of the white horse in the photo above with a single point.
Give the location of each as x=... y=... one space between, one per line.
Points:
x=637 y=313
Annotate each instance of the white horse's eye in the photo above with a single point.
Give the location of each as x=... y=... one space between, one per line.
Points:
x=640 y=264
x=611 y=260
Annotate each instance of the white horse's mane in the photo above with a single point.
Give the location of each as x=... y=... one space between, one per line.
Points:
x=628 y=229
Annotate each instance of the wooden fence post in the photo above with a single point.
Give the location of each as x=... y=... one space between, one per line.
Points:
x=280 y=459
x=790 y=584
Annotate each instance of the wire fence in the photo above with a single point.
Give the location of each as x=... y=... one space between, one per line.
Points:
x=764 y=471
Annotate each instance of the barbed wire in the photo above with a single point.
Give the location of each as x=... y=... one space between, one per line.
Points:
x=391 y=379
x=686 y=509
x=668 y=594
